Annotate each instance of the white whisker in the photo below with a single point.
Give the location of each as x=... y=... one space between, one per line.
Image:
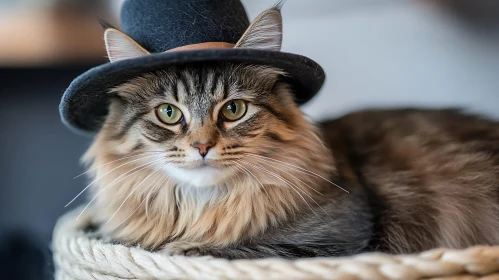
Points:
x=237 y=174
x=167 y=179
x=301 y=181
x=247 y=171
x=297 y=167
x=143 y=166
x=130 y=194
x=292 y=185
x=136 y=209
x=131 y=156
x=98 y=178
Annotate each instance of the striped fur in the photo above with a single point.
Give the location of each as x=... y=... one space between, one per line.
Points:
x=274 y=189
x=254 y=195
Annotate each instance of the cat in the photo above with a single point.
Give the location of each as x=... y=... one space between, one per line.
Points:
x=217 y=159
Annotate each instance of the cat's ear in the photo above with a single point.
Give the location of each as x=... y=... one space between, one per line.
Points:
x=264 y=33
x=120 y=46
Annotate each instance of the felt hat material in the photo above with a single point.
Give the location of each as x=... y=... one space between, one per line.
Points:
x=177 y=32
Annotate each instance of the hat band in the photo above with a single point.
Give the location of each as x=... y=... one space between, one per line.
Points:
x=200 y=46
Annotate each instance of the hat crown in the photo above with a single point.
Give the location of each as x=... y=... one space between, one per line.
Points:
x=161 y=25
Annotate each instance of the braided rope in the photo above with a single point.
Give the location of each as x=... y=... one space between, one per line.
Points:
x=79 y=256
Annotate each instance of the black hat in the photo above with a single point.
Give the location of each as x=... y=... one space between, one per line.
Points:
x=161 y=33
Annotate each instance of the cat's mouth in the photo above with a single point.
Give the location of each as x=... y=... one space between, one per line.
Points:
x=203 y=165
x=201 y=173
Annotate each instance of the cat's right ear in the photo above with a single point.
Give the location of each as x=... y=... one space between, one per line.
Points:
x=120 y=46
x=265 y=32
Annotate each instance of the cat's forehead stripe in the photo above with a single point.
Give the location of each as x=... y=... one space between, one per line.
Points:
x=214 y=82
x=200 y=81
x=174 y=88
x=184 y=82
x=226 y=91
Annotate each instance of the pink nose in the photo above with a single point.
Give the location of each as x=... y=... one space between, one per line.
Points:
x=202 y=147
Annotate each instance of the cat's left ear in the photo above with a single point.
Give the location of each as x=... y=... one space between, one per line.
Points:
x=264 y=33
x=120 y=46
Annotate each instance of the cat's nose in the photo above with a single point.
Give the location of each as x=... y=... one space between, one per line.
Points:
x=202 y=147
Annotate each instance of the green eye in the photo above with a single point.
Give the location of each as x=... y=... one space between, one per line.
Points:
x=234 y=110
x=168 y=113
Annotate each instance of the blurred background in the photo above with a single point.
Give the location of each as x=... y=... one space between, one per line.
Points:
x=376 y=53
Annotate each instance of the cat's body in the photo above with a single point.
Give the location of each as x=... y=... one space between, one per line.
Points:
x=216 y=158
x=397 y=181
x=433 y=175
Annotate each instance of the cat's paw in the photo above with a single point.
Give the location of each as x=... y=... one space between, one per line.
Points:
x=183 y=248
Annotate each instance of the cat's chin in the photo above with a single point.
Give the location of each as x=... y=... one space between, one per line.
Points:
x=203 y=176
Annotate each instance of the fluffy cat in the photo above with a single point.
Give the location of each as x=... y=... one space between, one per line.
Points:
x=217 y=159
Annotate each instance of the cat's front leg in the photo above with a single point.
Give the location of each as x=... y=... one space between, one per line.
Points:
x=185 y=248
x=253 y=251
x=191 y=249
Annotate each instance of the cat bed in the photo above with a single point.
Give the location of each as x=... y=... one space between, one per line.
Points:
x=79 y=255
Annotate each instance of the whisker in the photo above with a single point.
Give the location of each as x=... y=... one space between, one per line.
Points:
x=139 y=205
x=292 y=185
x=131 y=156
x=247 y=171
x=130 y=194
x=100 y=177
x=149 y=194
x=237 y=174
x=143 y=166
x=297 y=167
x=301 y=181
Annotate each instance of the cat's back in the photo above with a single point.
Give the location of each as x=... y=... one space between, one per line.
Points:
x=435 y=173
x=411 y=136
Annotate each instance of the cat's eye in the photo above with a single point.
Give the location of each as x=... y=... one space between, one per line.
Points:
x=168 y=113
x=234 y=110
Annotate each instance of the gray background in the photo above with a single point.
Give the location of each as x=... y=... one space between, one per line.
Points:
x=376 y=53
x=380 y=53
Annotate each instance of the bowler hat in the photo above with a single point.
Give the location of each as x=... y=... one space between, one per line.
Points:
x=163 y=33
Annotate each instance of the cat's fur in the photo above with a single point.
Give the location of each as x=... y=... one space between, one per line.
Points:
x=396 y=181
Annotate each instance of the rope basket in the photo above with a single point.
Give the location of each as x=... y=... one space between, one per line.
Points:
x=77 y=255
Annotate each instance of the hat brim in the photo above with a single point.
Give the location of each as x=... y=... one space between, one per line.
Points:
x=84 y=106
